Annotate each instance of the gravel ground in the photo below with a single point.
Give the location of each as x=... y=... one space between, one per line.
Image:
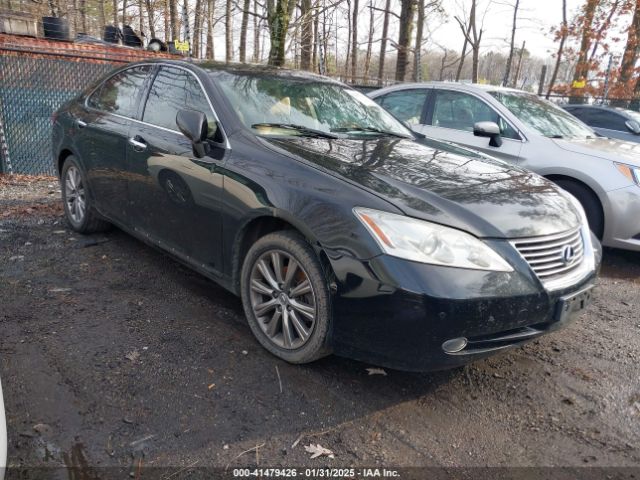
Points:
x=113 y=354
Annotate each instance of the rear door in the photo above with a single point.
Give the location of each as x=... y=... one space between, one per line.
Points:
x=451 y=116
x=174 y=197
x=106 y=122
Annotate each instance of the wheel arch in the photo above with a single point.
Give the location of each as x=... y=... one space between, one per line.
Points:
x=567 y=178
x=259 y=226
x=62 y=156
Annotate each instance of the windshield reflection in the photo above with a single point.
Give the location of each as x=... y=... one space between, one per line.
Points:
x=287 y=106
x=543 y=116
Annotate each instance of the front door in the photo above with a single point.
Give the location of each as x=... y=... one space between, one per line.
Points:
x=174 y=197
x=106 y=122
x=452 y=117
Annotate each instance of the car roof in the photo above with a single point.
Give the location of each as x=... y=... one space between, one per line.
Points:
x=246 y=69
x=571 y=106
x=463 y=87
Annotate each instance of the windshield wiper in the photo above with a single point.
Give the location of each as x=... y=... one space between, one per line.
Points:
x=311 y=132
x=555 y=136
x=369 y=129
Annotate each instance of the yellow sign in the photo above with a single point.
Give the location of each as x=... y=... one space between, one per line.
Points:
x=579 y=84
x=181 y=46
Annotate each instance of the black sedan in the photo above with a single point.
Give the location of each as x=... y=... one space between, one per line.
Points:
x=341 y=230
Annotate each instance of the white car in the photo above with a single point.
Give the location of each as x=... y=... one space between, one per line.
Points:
x=521 y=128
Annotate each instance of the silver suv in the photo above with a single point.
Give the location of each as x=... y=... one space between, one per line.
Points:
x=521 y=128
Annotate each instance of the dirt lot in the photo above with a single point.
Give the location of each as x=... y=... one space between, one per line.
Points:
x=113 y=354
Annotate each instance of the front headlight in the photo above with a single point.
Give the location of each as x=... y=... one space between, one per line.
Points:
x=427 y=242
x=632 y=173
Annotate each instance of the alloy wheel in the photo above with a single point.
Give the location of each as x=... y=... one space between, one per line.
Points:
x=283 y=299
x=75 y=195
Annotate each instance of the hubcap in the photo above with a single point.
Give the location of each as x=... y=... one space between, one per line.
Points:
x=282 y=299
x=74 y=195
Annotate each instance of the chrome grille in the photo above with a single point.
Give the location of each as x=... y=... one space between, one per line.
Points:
x=549 y=256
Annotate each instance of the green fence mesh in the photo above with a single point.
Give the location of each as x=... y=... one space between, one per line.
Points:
x=31 y=89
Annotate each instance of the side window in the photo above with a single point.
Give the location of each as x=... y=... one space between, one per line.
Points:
x=461 y=111
x=119 y=93
x=604 y=119
x=406 y=104
x=175 y=89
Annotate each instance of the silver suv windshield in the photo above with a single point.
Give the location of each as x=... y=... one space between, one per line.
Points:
x=280 y=105
x=543 y=116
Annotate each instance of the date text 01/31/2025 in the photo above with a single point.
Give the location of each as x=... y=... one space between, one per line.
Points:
x=315 y=473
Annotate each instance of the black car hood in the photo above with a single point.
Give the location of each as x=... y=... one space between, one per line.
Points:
x=486 y=197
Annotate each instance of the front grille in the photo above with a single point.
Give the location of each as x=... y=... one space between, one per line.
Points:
x=552 y=256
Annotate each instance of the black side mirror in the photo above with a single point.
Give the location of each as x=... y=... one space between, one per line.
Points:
x=633 y=126
x=489 y=130
x=194 y=126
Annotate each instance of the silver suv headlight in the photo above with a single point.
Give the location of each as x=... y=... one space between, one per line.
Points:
x=426 y=242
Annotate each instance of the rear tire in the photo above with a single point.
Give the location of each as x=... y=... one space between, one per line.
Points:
x=77 y=201
x=286 y=297
x=589 y=202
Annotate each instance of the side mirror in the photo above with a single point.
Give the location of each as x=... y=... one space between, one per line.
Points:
x=193 y=125
x=633 y=126
x=488 y=130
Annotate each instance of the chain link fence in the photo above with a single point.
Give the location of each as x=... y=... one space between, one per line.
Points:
x=31 y=89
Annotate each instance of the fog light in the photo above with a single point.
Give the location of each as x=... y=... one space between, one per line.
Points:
x=454 y=345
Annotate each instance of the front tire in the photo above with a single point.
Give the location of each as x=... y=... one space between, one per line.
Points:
x=286 y=298
x=78 y=206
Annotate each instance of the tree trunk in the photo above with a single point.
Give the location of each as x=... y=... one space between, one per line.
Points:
x=519 y=67
x=349 y=30
x=195 y=41
x=173 y=15
x=124 y=13
x=306 y=42
x=354 y=41
x=383 y=43
x=367 y=58
x=152 y=28
x=463 y=55
x=228 y=32
x=582 y=67
x=407 y=11
x=141 y=20
x=507 y=71
x=256 y=33
x=115 y=13
x=102 y=17
x=417 y=52
x=278 y=17
x=244 y=27
x=167 y=25
x=211 y=6
x=316 y=26
x=631 y=50
x=83 y=16
x=563 y=39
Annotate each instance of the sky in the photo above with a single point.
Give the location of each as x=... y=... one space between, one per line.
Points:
x=535 y=21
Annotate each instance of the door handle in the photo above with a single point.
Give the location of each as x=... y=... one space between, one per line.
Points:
x=80 y=123
x=137 y=145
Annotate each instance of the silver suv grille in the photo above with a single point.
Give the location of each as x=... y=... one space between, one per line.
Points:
x=552 y=256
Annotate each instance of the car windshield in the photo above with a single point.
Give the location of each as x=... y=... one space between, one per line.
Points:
x=633 y=114
x=543 y=116
x=277 y=105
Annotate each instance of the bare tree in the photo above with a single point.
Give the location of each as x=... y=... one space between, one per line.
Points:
x=244 y=28
x=582 y=67
x=407 y=12
x=228 y=32
x=211 y=7
x=173 y=19
x=463 y=55
x=563 y=32
x=354 y=40
x=631 y=50
x=507 y=70
x=278 y=17
x=256 y=33
x=383 y=42
x=473 y=34
x=367 y=58
x=306 y=40
x=152 y=28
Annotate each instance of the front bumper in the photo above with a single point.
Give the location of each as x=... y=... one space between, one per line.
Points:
x=398 y=314
x=622 y=218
